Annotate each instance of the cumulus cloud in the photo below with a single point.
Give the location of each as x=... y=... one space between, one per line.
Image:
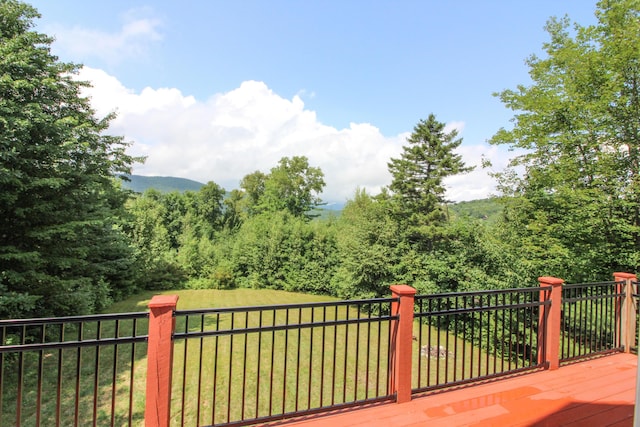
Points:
x=131 y=40
x=476 y=184
x=250 y=128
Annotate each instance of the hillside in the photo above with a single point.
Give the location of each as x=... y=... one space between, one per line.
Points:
x=164 y=184
x=486 y=209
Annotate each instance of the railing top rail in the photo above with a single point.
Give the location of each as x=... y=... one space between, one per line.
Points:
x=73 y=319
x=480 y=308
x=285 y=306
x=280 y=327
x=591 y=284
x=487 y=292
x=568 y=300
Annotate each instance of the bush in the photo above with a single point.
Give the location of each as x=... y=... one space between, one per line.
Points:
x=223 y=277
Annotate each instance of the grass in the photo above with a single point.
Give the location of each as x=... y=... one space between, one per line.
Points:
x=264 y=373
x=117 y=366
x=228 y=377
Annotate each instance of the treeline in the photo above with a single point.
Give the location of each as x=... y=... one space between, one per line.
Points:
x=266 y=234
x=205 y=239
x=72 y=240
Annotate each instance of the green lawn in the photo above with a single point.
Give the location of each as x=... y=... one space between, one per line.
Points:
x=213 y=298
x=282 y=371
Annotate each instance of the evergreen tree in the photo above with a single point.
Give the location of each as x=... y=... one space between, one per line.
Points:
x=61 y=251
x=418 y=176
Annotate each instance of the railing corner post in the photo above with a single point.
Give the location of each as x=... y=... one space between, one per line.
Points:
x=550 y=322
x=401 y=369
x=625 y=310
x=159 y=360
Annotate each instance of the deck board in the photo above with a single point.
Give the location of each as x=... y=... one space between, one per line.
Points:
x=597 y=392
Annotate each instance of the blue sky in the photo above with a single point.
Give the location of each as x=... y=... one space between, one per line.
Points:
x=213 y=90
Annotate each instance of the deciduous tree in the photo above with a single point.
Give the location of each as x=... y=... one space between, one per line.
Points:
x=579 y=125
x=293 y=185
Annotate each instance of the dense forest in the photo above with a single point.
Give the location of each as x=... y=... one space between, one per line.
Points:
x=73 y=240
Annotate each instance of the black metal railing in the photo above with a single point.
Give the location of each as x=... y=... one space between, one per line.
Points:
x=248 y=365
x=73 y=371
x=237 y=366
x=591 y=320
x=471 y=336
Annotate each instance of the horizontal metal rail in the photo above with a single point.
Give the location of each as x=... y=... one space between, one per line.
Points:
x=252 y=308
x=72 y=319
x=198 y=334
x=16 y=348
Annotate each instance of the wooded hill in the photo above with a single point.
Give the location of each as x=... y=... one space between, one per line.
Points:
x=486 y=209
x=163 y=184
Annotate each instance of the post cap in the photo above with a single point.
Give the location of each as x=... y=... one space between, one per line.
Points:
x=547 y=280
x=625 y=275
x=163 y=301
x=403 y=290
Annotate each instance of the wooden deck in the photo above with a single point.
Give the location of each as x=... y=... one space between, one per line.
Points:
x=598 y=392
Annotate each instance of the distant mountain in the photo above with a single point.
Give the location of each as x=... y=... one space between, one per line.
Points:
x=164 y=184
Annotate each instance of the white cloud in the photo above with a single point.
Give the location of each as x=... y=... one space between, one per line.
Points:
x=132 y=39
x=250 y=128
x=459 y=126
x=476 y=184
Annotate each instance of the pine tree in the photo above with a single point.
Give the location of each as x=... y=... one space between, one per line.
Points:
x=60 y=248
x=418 y=187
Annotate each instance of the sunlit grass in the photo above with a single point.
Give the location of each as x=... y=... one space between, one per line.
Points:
x=75 y=369
x=258 y=374
x=228 y=377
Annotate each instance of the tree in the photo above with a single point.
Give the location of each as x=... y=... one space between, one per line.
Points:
x=61 y=251
x=281 y=251
x=367 y=242
x=253 y=189
x=419 y=173
x=579 y=124
x=293 y=185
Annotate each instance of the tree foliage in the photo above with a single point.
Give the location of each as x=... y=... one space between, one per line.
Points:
x=61 y=251
x=418 y=175
x=293 y=186
x=579 y=124
x=71 y=239
x=367 y=241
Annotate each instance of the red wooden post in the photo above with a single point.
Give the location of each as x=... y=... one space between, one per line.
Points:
x=626 y=310
x=551 y=316
x=159 y=360
x=400 y=380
